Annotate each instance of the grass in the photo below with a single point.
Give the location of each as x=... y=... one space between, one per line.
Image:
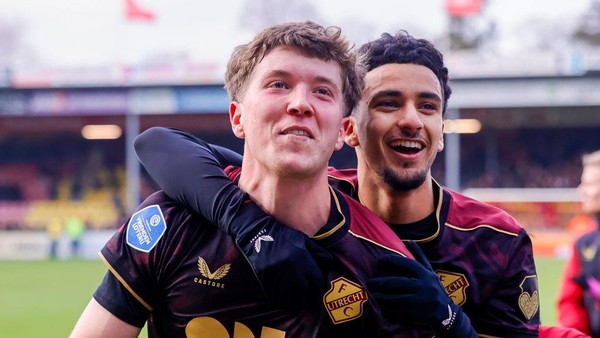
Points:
x=45 y=298
x=549 y=275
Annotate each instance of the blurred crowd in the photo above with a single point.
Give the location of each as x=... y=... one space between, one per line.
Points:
x=56 y=175
x=524 y=158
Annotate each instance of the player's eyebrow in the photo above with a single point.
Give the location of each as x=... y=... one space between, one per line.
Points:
x=398 y=93
x=429 y=95
x=287 y=74
x=277 y=73
x=326 y=80
x=384 y=93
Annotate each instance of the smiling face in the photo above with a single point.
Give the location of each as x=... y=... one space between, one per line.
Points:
x=290 y=114
x=397 y=127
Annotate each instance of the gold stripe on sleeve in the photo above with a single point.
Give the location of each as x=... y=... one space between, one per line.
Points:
x=114 y=272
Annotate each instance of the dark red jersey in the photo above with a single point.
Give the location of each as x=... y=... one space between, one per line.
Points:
x=482 y=256
x=189 y=279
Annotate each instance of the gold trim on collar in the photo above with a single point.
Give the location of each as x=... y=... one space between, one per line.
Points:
x=339 y=210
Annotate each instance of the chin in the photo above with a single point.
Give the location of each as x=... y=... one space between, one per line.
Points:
x=298 y=168
x=404 y=181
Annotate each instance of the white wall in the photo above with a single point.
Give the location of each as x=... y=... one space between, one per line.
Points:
x=36 y=245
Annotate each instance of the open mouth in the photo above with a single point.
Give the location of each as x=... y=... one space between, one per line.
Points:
x=407 y=147
x=296 y=132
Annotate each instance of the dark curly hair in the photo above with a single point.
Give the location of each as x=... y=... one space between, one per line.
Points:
x=404 y=48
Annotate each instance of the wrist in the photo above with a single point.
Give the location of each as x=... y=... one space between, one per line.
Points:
x=455 y=325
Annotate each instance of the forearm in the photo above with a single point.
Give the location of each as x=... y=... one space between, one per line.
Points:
x=190 y=171
x=97 y=322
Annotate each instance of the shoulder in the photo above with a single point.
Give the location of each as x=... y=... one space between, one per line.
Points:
x=159 y=204
x=342 y=174
x=343 y=179
x=364 y=224
x=233 y=172
x=159 y=228
x=159 y=198
x=156 y=216
x=588 y=238
x=466 y=213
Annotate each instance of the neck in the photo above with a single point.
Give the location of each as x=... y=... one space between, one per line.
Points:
x=301 y=203
x=395 y=207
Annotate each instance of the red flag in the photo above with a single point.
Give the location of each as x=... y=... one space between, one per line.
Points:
x=134 y=12
x=463 y=7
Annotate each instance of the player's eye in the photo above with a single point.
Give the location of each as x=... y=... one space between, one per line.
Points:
x=431 y=107
x=277 y=84
x=324 y=91
x=387 y=104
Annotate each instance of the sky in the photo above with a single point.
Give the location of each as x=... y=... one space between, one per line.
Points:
x=83 y=33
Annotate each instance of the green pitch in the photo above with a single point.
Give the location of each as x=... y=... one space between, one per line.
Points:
x=549 y=274
x=45 y=298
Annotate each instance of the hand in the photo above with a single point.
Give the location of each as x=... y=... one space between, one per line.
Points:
x=410 y=292
x=287 y=263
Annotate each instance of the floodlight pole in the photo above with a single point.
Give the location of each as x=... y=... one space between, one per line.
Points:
x=132 y=166
x=452 y=153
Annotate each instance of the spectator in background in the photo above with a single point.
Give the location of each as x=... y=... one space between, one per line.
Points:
x=54 y=229
x=579 y=294
x=75 y=228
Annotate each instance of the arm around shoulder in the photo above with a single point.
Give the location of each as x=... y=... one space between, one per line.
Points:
x=98 y=322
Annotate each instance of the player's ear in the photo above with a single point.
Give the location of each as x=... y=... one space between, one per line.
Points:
x=440 y=146
x=349 y=130
x=340 y=140
x=235 y=118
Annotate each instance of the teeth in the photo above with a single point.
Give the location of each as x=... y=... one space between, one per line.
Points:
x=408 y=144
x=297 y=132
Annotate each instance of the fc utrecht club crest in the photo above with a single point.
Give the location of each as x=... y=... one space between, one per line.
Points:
x=344 y=301
x=455 y=285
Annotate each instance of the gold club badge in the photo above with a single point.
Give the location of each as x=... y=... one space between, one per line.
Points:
x=455 y=285
x=588 y=253
x=344 y=301
x=529 y=302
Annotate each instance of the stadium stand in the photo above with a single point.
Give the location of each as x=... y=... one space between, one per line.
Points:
x=531 y=137
x=92 y=186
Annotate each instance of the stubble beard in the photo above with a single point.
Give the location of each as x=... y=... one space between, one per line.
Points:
x=402 y=183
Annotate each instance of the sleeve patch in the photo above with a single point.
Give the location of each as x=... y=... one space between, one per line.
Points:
x=529 y=301
x=145 y=228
